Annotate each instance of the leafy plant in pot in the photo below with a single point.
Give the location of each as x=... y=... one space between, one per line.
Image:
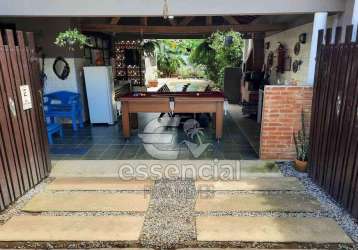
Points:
x=71 y=38
x=302 y=146
x=149 y=47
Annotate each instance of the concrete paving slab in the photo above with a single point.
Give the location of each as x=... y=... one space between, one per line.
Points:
x=259 y=167
x=283 y=202
x=258 y=184
x=142 y=169
x=156 y=169
x=269 y=229
x=72 y=228
x=92 y=184
x=87 y=201
x=248 y=174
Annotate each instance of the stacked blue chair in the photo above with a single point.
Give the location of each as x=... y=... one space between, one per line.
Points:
x=53 y=128
x=64 y=104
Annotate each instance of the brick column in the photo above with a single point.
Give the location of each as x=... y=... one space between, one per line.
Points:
x=281 y=117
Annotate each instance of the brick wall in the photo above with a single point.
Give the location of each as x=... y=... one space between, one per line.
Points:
x=281 y=116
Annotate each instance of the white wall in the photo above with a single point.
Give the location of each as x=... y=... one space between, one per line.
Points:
x=53 y=83
x=289 y=38
x=74 y=82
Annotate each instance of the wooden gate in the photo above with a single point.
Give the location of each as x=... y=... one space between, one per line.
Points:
x=23 y=139
x=334 y=126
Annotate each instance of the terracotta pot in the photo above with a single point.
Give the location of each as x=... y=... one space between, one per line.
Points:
x=301 y=166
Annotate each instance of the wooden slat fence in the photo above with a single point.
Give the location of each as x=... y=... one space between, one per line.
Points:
x=23 y=139
x=333 y=156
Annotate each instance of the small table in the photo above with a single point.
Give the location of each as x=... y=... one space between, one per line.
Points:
x=184 y=102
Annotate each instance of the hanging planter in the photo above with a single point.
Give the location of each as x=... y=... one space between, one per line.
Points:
x=72 y=38
x=149 y=46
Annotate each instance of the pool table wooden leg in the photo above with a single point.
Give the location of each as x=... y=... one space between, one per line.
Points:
x=219 y=118
x=125 y=121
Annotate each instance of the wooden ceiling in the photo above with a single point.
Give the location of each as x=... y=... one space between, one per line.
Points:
x=190 y=25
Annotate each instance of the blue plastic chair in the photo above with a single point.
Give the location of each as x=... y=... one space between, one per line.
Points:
x=64 y=104
x=53 y=128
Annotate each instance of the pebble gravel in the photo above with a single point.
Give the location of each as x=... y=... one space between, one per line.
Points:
x=15 y=209
x=330 y=208
x=169 y=221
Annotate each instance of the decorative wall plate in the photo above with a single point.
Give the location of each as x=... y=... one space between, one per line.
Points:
x=270 y=59
x=297 y=48
x=296 y=65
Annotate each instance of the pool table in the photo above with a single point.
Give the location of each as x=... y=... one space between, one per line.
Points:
x=184 y=102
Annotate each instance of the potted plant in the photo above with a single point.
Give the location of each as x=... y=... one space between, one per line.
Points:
x=302 y=146
x=71 y=38
x=149 y=46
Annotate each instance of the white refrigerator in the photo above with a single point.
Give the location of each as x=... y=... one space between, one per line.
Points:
x=100 y=94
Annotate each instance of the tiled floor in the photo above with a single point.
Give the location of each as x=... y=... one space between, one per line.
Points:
x=106 y=142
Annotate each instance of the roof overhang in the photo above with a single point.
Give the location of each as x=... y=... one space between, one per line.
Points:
x=180 y=29
x=81 y=8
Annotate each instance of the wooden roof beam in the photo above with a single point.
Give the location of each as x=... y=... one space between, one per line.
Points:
x=115 y=20
x=231 y=20
x=144 y=21
x=181 y=29
x=186 y=20
x=209 y=20
x=172 y=21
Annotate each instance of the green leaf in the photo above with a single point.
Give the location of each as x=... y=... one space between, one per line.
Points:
x=71 y=38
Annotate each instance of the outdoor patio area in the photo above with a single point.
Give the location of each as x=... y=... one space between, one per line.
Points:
x=268 y=206
x=179 y=125
x=168 y=139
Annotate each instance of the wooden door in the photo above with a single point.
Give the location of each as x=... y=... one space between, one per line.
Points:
x=334 y=126
x=23 y=138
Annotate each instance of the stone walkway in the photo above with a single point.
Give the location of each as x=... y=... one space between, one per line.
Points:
x=100 y=210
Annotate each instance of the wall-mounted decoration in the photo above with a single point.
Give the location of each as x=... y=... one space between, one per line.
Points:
x=297 y=48
x=281 y=57
x=267 y=45
x=288 y=61
x=302 y=38
x=269 y=61
x=296 y=65
x=61 y=68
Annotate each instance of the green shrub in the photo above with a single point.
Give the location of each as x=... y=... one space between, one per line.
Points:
x=215 y=55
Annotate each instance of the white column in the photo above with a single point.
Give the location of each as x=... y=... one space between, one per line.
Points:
x=355 y=20
x=320 y=21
